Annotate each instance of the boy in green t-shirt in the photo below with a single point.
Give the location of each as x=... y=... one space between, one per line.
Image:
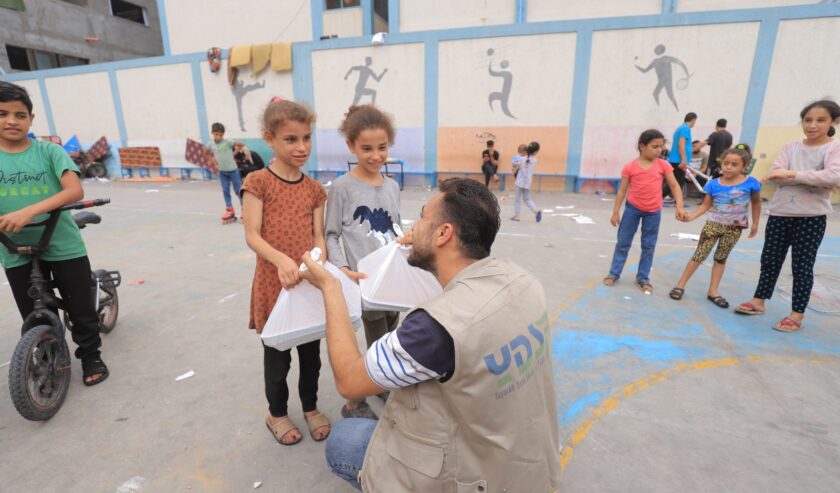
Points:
x=35 y=178
x=222 y=150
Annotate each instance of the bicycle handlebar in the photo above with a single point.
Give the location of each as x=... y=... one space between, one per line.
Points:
x=50 y=222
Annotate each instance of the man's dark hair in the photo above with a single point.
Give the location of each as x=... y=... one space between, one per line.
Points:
x=721 y=123
x=490 y=143
x=217 y=127
x=690 y=117
x=11 y=92
x=474 y=212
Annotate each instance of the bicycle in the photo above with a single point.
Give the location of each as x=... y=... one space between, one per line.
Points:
x=39 y=371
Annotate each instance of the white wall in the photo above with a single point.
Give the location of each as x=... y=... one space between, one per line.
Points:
x=83 y=105
x=220 y=100
x=196 y=25
x=542 y=72
x=346 y=23
x=620 y=102
x=703 y=5
x=806 y=67
x=422 y=15
x=400 y=91
x=553 y=10
x=40 y=126
x=159 y=108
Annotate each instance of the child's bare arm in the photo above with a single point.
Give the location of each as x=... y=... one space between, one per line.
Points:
x=287 y=269
x=704 y=208
x=682 y=215
x=71 y=191
x=755 y=202
x=619 y=198
x=318 y=233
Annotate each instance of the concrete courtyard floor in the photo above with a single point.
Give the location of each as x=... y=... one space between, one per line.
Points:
x=653 y=395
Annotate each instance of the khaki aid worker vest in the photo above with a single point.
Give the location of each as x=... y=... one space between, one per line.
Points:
x=492 y=427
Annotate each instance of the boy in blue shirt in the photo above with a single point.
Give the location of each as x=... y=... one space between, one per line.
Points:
x=37 y=177
x=681 y=152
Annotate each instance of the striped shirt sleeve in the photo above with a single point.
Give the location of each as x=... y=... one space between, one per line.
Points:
x=419 y=350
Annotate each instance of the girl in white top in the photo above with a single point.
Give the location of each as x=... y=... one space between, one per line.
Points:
x=806 y=171
x=523 y=182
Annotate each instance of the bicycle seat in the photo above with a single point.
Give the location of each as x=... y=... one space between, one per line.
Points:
x=84 y=218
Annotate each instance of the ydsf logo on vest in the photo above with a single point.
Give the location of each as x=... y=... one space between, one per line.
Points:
x=525 y=349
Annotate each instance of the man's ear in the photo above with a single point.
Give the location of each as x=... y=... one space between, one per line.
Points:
x=443 y=234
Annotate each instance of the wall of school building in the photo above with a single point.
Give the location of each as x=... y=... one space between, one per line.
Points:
x=582 y=78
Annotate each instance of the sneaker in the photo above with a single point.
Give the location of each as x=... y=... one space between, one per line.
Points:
x=363 y=410
x=539 y=216
x=515 y=218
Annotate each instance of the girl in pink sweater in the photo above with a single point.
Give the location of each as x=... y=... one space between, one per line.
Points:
x=806 y=172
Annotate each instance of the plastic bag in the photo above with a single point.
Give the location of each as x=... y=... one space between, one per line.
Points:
x=392 y=284
x=299 y=316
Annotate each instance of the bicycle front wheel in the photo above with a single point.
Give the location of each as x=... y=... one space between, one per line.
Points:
x=39 y=373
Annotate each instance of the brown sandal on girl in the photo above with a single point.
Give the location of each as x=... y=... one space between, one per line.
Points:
x=315 y=423
x=282 y=428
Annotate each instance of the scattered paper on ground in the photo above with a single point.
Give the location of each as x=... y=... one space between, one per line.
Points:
x=581 y=219
x=686 y=236
x=564 y=207
x=136 y=282
x=132 y=485
x=257 y=484
x=152 y=190
x=185 y=376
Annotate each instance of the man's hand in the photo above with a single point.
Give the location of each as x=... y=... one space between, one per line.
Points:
x=354 y=276
x=614 y=219
x=316 y=274
x=288 y=272
x=753 y=231
x=682 y=215
x=683 y=165
x=13 y=222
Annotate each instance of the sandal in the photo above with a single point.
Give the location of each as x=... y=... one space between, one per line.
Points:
x=646 y=287
x=315 y=423
x=748 y=309
x=92 y=367
x=610 y=281
x=718 y=300
x=281 y=429
x=676 y=293
x=788 y=324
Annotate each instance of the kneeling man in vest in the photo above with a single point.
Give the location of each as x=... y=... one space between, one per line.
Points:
x=472 y=405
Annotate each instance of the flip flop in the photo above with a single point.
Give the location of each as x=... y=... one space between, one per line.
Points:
x=610 y=281
x=788 y=324
x=718 y=300
x=676 y=293
x=281 y=429
x=316 y=422
x=646 y=287
x=748 y=309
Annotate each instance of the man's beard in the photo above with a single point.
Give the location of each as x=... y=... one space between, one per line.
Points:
x=422 y=260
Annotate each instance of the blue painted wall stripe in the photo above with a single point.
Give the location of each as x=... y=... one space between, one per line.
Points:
x=763 y=61
x=45 y=97
x=393 y=16
x=669 y=6
x=521 y=11
x=580 y=91
x=304 y=91
x=430 y=101
x=367 y=17
x=118 y=109
x=317 y=14
x=164 y=27
x=200 y=102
